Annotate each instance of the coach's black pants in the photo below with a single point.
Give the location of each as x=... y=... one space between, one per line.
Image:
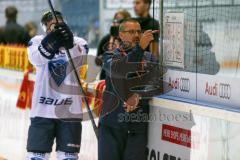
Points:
x=121 y=144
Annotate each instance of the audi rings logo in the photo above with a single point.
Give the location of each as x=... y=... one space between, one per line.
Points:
x=184 y=85
x=224 y=91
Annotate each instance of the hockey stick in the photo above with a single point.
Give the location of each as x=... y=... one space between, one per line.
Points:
x=77 y=77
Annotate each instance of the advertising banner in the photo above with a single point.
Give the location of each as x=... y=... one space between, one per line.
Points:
x=177 y=135
x=181 y=132
x=183 y=84
x=14 y=57
x=213 y=89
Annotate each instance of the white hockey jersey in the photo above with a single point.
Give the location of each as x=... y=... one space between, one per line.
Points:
x=56 y=92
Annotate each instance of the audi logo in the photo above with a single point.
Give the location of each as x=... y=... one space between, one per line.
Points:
x=224 y=91
x=184 y=85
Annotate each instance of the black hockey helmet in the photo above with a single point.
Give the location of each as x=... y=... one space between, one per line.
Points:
x=47 y=16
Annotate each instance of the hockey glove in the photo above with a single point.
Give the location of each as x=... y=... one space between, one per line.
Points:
x=50 y=44
x=66 y=36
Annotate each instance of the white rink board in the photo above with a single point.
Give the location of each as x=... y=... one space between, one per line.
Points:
x=214 y=89
x=214 y=132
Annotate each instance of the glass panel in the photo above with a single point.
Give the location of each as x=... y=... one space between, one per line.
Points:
x=218 y=47
x=179 y=51
x=209 y=50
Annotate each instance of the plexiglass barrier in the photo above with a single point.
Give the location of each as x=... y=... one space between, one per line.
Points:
x=200 y=48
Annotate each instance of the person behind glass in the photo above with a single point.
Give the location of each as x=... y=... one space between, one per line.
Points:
x=111 y=40
x=13 y=32
x=48 y=123
x=142 y=10
x=124 y=140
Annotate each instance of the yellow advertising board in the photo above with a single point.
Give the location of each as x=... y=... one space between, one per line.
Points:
x=14 y=57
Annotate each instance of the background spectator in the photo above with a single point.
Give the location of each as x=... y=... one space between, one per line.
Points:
x=31 y=29
x=110 y=37
x=13 y=32
x=142 y=10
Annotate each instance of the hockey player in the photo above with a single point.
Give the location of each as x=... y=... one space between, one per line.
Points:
x=46 y=53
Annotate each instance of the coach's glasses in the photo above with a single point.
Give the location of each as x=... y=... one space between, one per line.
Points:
x=132 y=32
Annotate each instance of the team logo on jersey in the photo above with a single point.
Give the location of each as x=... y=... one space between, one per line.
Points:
x=57 y=69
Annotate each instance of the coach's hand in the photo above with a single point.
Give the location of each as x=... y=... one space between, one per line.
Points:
x=132 y=103
x=145 y=39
